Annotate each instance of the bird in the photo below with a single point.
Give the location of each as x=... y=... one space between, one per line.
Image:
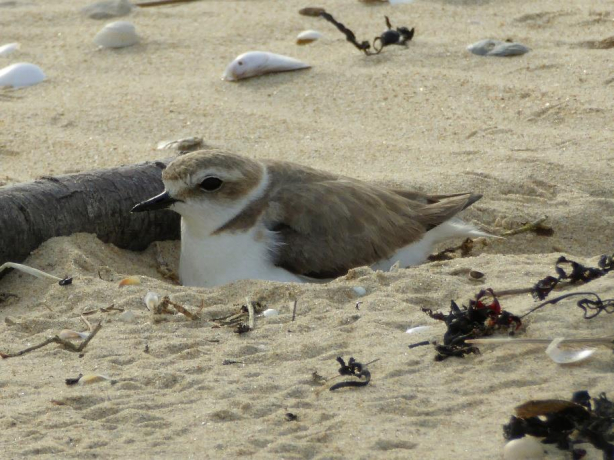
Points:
x=243 y=218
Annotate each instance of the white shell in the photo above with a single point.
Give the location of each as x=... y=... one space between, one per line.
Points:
x=255 y=63
x=527 y=448
x=308 y=36
x=415 y=330
x=107 y=9
x=498 y=48
x=7 y=49
x=117 y=34
x=359 y=291
x=21 y=74
x=152 y=300
x=566 y=356
x=270 y=313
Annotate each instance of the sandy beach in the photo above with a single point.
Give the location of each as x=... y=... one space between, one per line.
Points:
x=532 y=133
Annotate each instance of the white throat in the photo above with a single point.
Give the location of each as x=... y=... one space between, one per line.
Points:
x=212 y=259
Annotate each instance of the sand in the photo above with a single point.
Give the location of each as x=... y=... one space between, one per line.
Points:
x=533 y=134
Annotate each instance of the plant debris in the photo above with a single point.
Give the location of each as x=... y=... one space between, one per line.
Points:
x=56 y=339
x=592 y=307
x=567 y=423
x=539 y=227
x=355 y=369
x=578 y=274
x=482 y=318
x=398 y=36
x=465 y=249
x=163 y=308
x=312 y=11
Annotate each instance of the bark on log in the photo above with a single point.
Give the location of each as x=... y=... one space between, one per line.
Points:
x=93 y=202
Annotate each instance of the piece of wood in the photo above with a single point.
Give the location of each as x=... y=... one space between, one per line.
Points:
x=97 y=202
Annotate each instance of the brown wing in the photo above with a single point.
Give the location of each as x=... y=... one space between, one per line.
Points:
x=328 y=225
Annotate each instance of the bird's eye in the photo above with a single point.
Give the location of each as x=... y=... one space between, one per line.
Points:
x=211 y=184
x=240 y=62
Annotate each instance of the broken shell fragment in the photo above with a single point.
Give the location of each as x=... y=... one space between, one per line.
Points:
x=417 y=329
x=107 y=9
x=498 y=48
x=527 y=448
x=119 y=34
x=68 y=334
x=359 y=291
x=130 y=281
x=127 y=316
x=566 y=356
x=7 y=49
x=312 y=11
x=94 y=378
x=21 y=75
x=255 y=63
x=308 y=36
x=270 y=312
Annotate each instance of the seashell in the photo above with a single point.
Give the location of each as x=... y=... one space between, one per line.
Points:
x=107 y=9
x=312 y=11
x=186 y=144
x=269 y=313
x=308 y=36
x=527 y=448
x=566 y=356
x=152 y=300
x=415 y=330
x=359 y=291
x=7 y=49
x=68 y=334
x=20 y=75
x=130 y=281
x=119 y=34
x=94 y=378
x=498 y=48
x=255 y=63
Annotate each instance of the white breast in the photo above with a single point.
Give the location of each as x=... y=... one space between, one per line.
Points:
x=227 y=257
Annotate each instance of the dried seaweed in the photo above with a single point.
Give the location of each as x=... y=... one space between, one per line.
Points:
x=591 y=304
x=355 y=369
x=482 y=317
x=567 y=423
x=578 y=274
x=398 y=36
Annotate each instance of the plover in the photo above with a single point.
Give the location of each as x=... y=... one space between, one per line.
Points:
x=273 y=220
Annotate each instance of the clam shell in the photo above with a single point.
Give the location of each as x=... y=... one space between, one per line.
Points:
x=566 y=356
x=255 y=63
x=130 y=281
x=118 y=34
x=527 y=448
x=307 y=36
x=498 y=48
x=20 y=75
x=7 y=49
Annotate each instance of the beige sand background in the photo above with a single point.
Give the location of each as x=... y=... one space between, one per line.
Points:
x=534 y=134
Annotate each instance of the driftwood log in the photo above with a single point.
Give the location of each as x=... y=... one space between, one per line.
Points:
x=96 y=202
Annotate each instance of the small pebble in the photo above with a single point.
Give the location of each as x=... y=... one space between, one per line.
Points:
x=497 y=48
x=107 y=9
x=360 y=291
x=476 y=275
x=527 y=448
x=152 y=299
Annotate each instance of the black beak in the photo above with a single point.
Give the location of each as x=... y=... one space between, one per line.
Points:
x=161 y=201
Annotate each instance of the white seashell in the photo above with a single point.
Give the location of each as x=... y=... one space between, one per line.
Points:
x=498 y=48
x=308 y=36
x=107 y=9
x=127 y=316
x=415 y=330
x=117 y=34
x=152 y=300
x=269 y=313
x=20 y=75
x=566 y=356
x=527 y=448
x=7 y=49
x=255 y=63
x=67 y=334
x=130 y=281
x=360 y=291
x=94 y=378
